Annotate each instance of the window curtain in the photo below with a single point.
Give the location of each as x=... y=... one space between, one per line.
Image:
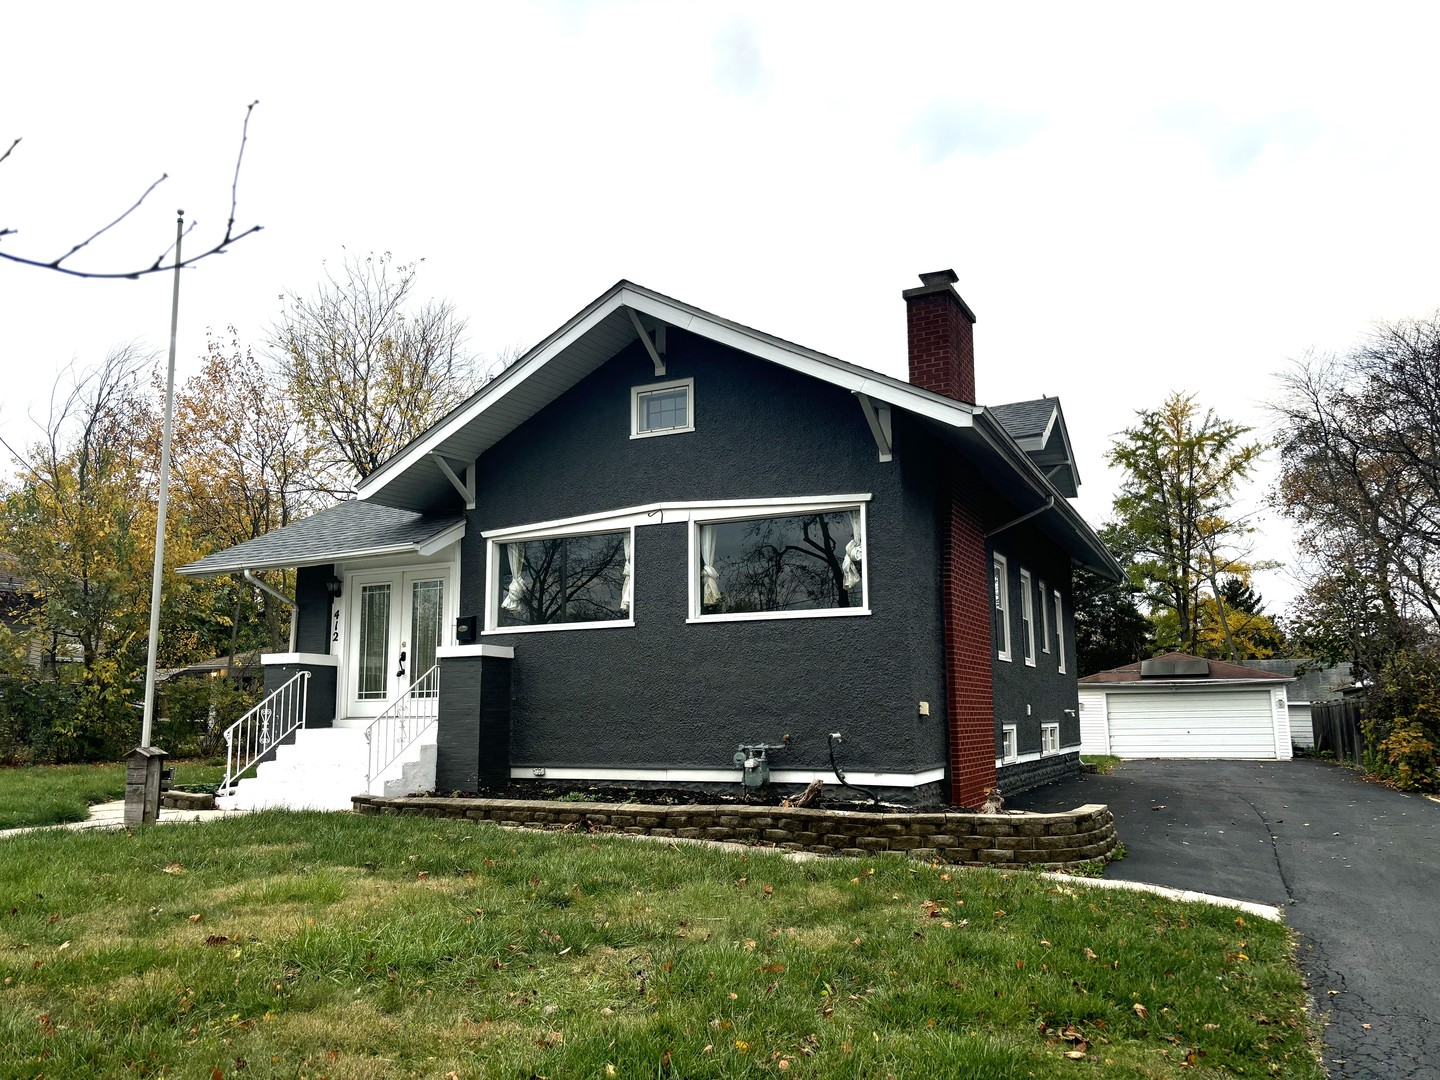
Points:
x=854 y=552
x=514 y=601
x=709 y=576
x=627 y=584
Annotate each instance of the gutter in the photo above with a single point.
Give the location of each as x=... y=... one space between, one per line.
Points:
x=294 y=607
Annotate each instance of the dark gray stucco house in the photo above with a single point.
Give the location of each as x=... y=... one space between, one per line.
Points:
x=660 y=536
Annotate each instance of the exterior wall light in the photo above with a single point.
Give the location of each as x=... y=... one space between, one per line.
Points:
x=334 y=585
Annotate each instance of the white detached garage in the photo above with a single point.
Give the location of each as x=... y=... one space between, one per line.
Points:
x=1182 y=706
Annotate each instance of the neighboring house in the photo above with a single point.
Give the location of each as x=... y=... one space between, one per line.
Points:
x=1313 y=684
x=661 y=539
x=1182 y=706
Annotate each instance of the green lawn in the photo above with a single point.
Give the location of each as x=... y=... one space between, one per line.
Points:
x=54 y=794
x=284 y=945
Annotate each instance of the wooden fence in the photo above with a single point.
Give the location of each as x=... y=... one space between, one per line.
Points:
x=1337 y=728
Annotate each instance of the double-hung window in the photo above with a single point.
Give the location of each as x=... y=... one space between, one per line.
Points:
x=1009 y=744
x=582 y=579
x=1044 y=621
x=794 y=562
x=1059 y=631
x=1027 y=616
x=662 y=408
x=1002 y=608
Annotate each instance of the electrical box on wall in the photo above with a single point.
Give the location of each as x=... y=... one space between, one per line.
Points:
x=466 y=629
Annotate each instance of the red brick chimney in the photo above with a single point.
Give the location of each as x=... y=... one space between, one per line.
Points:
x=942 y=345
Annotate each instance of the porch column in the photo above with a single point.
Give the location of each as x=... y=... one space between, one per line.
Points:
x=472 y=739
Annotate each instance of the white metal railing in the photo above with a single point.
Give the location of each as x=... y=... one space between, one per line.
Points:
x=263 y=728
x=393 y=732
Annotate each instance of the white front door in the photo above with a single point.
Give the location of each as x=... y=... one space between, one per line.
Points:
x=397 y=620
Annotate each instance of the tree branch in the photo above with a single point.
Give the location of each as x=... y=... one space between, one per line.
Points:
x=159 y=265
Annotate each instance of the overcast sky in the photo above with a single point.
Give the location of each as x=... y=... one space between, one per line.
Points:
x=1137 y=198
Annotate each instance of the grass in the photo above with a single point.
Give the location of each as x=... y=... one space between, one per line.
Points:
x=55 y=794
x=285 y=944
x=1100 y=763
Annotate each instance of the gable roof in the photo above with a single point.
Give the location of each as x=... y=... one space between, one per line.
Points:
x=1215 y=671
x=347 y=530
x=413 y=479
x=1039 y=428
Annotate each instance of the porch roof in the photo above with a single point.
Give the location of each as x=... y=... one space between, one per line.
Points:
x=348 y=530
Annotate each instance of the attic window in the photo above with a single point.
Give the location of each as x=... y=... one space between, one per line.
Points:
x=662 y=408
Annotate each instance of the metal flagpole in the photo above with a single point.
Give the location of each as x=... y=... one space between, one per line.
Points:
x=164 y=497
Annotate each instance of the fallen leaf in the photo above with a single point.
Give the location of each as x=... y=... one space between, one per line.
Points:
x=1090 y=955
x=1239 y=920
x=1074 y=1055
x=1365 y=1026
x=1160 y=807
x=176 y=868
x=63 y=946
x=1140 y=1010
x=196 y=917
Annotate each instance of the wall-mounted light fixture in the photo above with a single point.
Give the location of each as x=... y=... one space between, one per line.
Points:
x=334 y=585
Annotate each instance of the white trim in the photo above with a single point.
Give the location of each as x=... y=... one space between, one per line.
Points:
x=312 y=658
x=723 y=776
x=1060 y=630
x=720 y=512
x=1027 y=616
x=1000 y=602
x=668 y=513
x=492 y=576
x=1044 y=619
x=953 y=414
x=637 y=392
x=1034 y=755
x=756 y=616
x=460 y=652
x=439 y=543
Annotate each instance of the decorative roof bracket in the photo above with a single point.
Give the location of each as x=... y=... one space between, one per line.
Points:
x=465 y=487
x=655 y=357
x=878 y=417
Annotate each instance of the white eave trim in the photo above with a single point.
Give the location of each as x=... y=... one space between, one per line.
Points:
x=890 y=391
x=669 y=513
x=724 y=776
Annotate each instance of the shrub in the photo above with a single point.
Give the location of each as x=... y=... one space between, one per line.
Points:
x=1402 y=722
x=197 y=712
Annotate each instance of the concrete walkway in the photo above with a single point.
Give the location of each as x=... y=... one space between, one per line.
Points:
x=111 y=815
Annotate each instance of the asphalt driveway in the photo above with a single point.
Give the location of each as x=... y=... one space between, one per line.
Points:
x=1355 y=865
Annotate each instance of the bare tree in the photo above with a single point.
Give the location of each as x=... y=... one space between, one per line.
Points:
x=367 y=373
x=159 y=265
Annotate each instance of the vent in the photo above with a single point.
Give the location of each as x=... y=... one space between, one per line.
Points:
x=1170 y=669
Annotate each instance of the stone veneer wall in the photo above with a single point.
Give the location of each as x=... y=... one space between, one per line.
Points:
x=1043 y=841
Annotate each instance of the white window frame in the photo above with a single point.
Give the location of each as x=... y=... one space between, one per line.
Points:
x=1049 y=739
x=1000 y=601
x=644 y=390
x=1009 y=743
x=1060 y=630
x=492 y=579
x=1027 y=615
x=1044 y=620
x=772 y=510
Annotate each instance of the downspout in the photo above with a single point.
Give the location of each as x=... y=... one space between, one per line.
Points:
x=294 y=608
x=1049 y=505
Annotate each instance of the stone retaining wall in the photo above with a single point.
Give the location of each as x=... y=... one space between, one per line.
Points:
x=187 y=800
x=1043 y=841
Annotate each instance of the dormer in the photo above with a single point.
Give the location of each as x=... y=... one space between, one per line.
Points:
x=1039 y=427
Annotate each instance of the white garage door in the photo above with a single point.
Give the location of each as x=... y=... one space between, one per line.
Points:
x=1207 y=724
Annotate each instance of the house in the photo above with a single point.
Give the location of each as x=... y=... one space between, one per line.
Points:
x=663 y=547
x=1314 y=683
x=1182 y=706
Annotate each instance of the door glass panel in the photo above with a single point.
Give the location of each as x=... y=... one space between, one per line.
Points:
x=374 y=642
x=427 y=601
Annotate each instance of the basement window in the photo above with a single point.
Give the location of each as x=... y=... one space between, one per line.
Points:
x=1009 y=747
x=662 y=408
x=1049 y=738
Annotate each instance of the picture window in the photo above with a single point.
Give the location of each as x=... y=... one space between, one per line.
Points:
x=563 y=580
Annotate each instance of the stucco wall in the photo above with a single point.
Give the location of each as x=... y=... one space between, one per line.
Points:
x=684 y=695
